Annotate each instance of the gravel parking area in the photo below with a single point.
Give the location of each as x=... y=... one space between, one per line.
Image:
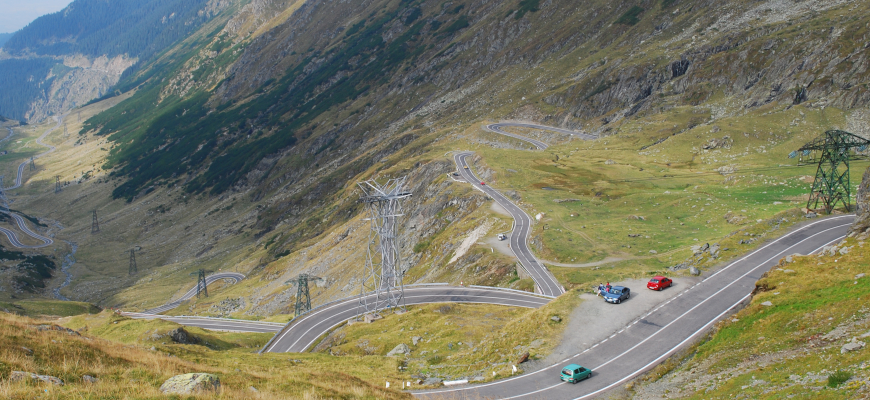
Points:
x=594 y=320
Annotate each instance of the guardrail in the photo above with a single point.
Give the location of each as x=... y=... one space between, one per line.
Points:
x=160 y=316
x=269 y=343
x=512 y=290
x=289 y=323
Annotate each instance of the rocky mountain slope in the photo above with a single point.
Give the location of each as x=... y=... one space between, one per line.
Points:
x=240 y=146
x=64 y=60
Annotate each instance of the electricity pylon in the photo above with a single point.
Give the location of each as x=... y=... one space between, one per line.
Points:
x=831 y=185
x=382 y=276
x=303 y=299
x=32 y=164
x=57 y=183
x=201 y=286
x=133 y=268
x=95 y=224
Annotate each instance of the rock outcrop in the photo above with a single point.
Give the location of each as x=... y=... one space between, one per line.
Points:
x=862 y=202
x=18 y=376
x=191 y=383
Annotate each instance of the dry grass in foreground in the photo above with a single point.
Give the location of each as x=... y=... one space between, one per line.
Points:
x=133 y=372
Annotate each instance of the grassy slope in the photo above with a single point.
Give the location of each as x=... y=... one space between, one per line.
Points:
x=41 y=307
x=674 y=186
x=485 y=339
x=786 y=349
x=131 y=371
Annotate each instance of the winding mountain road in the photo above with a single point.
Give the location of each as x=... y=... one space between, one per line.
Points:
x=545 y=282
x=669 y=327
x=302 y=332
x=624 y=355
x=234 y=276
x=497 y=128
x=19 y=220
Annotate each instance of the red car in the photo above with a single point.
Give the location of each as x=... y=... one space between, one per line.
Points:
x=659 y=282
x=482 y=183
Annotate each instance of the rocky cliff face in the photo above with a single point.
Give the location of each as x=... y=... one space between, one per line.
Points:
x=82 y=80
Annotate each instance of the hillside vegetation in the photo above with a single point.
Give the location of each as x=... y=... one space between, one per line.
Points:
x=803 y=336
x=137 y=369
x=239 y=147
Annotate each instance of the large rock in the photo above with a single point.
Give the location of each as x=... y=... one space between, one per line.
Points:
x=399 y=350
x=862 y=201
x=179 y=335
x=191 y=383
x=855 y=344
x=17 y=376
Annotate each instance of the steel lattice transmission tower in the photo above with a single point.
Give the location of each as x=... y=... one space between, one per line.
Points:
x=201 y=286
x=303 y=298
x=382 y=276
x=133 y=268
x=95 y=224
x=831 y=185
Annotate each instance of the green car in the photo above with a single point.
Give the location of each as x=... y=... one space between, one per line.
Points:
x=575 y=373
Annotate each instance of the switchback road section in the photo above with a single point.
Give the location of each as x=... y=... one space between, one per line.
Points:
x=302 y=332
x=671 y=326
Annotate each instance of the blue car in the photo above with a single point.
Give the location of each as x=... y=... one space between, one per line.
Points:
x=574 y=373
x=617 y=294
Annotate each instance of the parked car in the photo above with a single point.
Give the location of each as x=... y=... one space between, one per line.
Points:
x=659 y=282
x=617 y=294
x=502 y=236
x=575 y=373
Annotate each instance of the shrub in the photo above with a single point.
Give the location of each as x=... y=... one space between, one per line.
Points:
x=838 y=378
x=631 y=16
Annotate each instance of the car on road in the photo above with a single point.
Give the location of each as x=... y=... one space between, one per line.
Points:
x=466 y=167
x=617 y=294
x=575 y=373
x=659 y=282
x=482 y=183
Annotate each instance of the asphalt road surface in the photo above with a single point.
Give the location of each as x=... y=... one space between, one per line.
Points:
x=234 y=276
x=544 y=280
x=653 y=337
x=215 y=324
x=19 y=220
x=497 y=128
x=302 y=332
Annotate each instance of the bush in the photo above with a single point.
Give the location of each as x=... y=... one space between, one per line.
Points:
x=421 y=247
x=631 y=16
x=838 y=378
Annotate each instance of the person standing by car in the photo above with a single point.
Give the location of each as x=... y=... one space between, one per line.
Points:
x=607 y=287
x=600 y=291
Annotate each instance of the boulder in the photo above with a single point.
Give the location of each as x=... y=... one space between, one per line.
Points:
x=399 y=350
x=555 y=318
x=191 y=383
x=694 y=271
x=855 y=344
x=523 y=358
x=17 y=376
x=89 y=379
x=862 y=205
x=767 y=304
x=179 y=335
x=416 y=339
